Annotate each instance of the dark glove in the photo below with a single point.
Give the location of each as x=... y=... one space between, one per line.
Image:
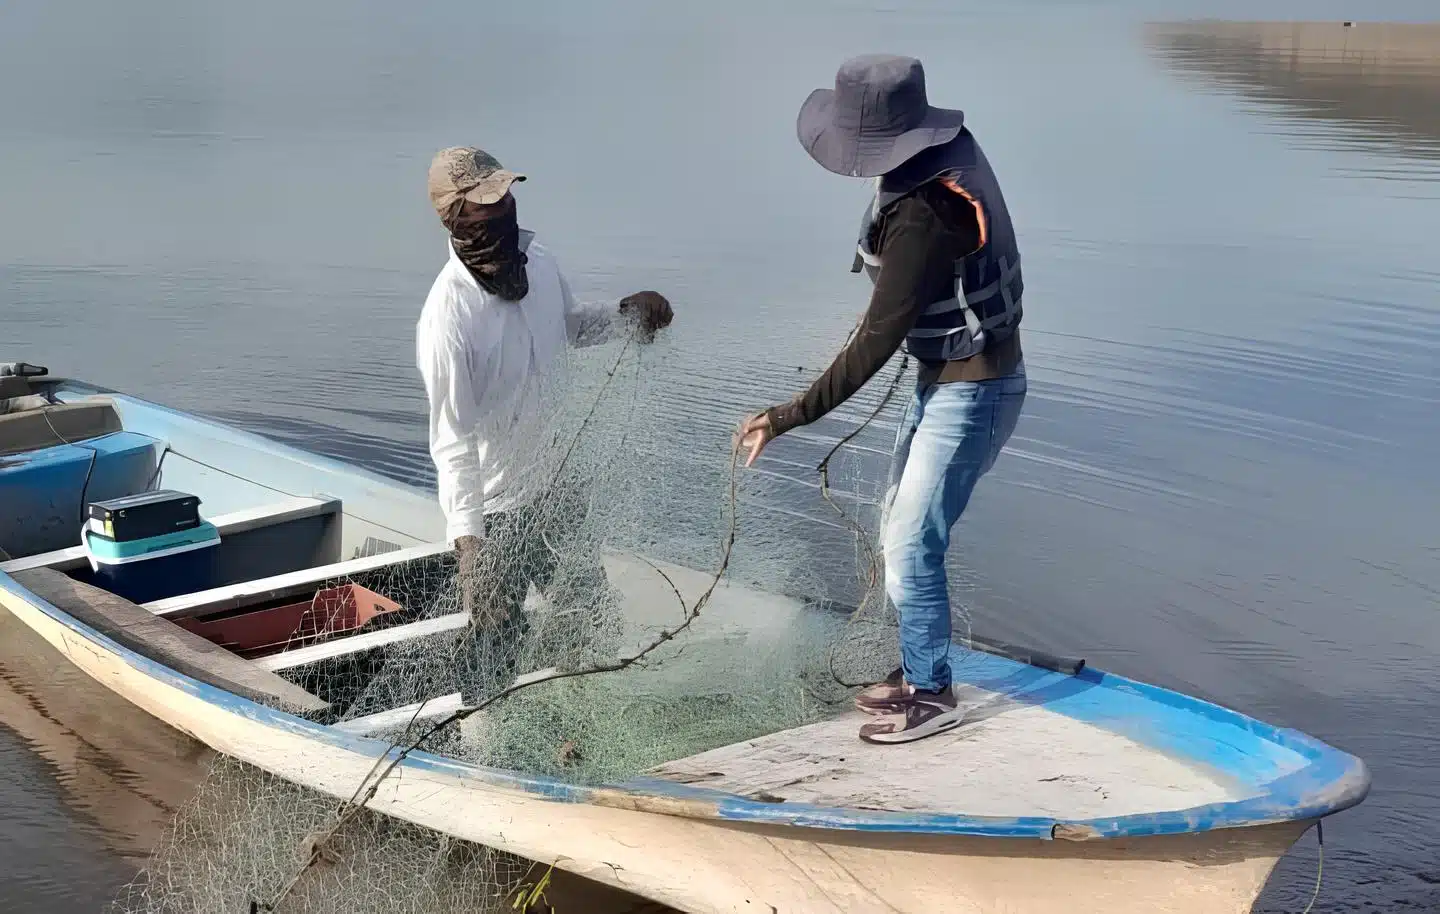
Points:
x=650 y=310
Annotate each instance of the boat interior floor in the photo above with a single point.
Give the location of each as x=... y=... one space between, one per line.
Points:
x=1009 y=759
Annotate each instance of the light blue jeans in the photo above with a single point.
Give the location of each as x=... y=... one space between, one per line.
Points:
x=949 y=438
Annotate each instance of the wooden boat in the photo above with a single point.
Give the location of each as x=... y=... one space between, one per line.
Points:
x=1066 y=782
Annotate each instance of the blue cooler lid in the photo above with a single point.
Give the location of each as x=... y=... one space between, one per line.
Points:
x=105 y=551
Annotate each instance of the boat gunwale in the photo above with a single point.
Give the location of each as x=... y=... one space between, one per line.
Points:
x=1330 y=781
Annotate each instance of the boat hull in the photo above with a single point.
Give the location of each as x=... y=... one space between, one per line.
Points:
x=675 y=850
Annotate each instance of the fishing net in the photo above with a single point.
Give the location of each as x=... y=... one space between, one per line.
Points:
x=245 y=834
x=654 y=600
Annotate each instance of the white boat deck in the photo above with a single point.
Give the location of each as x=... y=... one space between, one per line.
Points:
x=1008 y=759
x=1025 y=761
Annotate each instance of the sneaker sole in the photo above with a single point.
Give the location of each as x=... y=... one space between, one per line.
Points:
x=940 y=723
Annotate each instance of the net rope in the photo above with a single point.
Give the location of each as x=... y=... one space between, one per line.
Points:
x=657 y=603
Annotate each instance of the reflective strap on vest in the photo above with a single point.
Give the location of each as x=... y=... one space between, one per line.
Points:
x=1001 y=287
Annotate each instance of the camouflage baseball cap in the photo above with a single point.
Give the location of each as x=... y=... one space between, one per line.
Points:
x=464 y=172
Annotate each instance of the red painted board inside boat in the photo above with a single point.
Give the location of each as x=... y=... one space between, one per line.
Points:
x=332 y=611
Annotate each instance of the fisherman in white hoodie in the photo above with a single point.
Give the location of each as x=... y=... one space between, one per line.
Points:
x=490 y=346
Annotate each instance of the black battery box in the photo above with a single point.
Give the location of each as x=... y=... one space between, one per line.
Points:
x=136 y=517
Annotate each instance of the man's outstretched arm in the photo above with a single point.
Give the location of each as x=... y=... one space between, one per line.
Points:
x=588 y=324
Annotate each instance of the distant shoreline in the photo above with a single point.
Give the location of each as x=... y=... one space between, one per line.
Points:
x=1379 y=80
x=1391 y=43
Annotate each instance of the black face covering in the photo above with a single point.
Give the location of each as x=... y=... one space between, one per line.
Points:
x=489 y=246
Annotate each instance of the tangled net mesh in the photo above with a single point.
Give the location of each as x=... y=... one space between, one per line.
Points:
x=614 y=558
x=245 y=833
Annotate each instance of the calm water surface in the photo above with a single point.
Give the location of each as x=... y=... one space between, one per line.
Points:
x=1223 y=481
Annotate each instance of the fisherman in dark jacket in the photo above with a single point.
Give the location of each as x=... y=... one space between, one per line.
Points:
x=938 y=244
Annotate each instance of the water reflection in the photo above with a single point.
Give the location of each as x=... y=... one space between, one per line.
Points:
x=118 y=776
x=113 y=762
x=1380 y=81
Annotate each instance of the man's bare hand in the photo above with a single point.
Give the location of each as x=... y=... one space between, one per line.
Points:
x=755 y=433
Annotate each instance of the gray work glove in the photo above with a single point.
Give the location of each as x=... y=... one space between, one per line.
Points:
x=474 y=573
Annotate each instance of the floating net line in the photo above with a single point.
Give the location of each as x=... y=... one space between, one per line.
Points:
x=662 y=601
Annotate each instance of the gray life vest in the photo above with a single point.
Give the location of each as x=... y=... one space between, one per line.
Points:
x=988 y=284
